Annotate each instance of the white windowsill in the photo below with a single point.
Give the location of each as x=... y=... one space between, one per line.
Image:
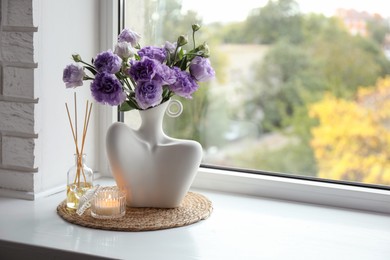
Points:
x=240 y=227
x=290 y=189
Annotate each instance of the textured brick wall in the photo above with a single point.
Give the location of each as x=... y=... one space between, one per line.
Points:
x=17 y=99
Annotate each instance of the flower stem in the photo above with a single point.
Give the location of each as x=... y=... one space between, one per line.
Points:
x=128 y=83
x=175 y=54
x=87 y=64
x=193 y=38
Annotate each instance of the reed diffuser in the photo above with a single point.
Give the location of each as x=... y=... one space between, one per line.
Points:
x=79 y=176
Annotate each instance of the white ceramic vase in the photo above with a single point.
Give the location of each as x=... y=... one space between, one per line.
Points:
x=154 y=169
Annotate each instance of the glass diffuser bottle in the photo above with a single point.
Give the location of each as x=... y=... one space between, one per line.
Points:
x=80 y=180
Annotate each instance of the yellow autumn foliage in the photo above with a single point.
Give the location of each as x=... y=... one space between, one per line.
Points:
x=352 y=140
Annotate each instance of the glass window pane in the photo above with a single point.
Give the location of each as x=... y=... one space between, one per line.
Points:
x=302 y=87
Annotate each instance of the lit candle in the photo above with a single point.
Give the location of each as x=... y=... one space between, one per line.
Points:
x=107 y=207
x=110 y=202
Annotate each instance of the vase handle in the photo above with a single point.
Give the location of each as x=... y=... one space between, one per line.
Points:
x=175 y=108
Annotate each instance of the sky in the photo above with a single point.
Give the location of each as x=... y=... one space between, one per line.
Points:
x=237 y=10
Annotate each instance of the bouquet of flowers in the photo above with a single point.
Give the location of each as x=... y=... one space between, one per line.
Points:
x=141 y=78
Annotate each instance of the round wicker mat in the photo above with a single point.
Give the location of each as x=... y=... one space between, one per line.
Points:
x=195 y=207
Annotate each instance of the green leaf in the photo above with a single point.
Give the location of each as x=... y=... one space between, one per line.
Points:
x=133 y=103
x=92 y=70
x=181 y=54
x=183 y=64
x=125 y=107
x=128 y=105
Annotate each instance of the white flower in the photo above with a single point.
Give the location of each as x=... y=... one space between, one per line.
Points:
x=124 y=50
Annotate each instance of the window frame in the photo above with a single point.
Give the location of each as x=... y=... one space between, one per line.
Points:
x=294 y=189
x=271 y=185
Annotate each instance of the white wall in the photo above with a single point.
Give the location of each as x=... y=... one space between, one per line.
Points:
x=37 y=39
x=64 y=27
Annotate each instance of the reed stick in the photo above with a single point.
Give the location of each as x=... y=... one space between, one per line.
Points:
x=73 y=126
x=86 y=123
x=85 y=128
x=75 y=141
x=75 y=116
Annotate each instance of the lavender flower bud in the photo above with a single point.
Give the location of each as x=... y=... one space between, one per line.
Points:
x=129 y=36
x=171 y=47
x=201 y=69
x=124 y=50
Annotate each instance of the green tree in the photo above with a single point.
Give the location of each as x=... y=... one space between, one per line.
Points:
x=292 y=76
x=344 y=60
x=352 y=138
x=328 y=60
x=232 y=32
x=277 y=19
x=378 y=28
x=275 y=90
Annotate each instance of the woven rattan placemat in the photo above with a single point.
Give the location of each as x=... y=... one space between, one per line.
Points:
x=194 y=207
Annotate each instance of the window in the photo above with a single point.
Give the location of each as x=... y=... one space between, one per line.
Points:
x=302 y=88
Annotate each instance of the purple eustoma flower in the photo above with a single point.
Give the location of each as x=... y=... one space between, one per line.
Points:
x=185 y=84
x=201 y=70
x=143 y=70
x=148 y=69
x=152 y=52
x=148 y=93
x=107 y=89
x=129 y=36
x=73 y=75
x=107 y=62
x=166 y=75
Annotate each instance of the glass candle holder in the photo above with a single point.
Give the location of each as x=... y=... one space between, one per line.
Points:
x=108 y=203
